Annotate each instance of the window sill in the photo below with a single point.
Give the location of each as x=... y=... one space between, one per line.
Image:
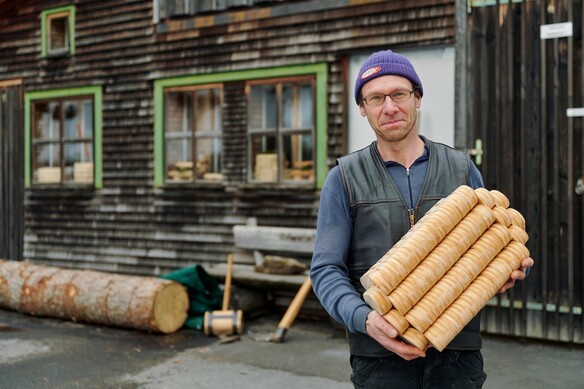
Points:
x=191 y=184
x=234 y=186
x=58 y=54
x=69 y=187
x=276 y=186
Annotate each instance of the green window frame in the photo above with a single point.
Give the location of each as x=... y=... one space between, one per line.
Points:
x=319 y=71
x=60 y=20
x=58 y=95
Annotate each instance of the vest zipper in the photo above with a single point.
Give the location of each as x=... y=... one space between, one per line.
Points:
x=411 y=208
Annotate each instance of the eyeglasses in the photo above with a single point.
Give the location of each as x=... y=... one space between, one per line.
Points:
x=399 y=96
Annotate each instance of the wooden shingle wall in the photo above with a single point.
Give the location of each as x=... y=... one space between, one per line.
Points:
x=129 y=226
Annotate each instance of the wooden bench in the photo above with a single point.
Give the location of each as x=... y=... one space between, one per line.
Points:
x=280 y=290
x=293 y=292
x=252 y=242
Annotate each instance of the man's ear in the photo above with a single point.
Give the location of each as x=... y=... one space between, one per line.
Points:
x=362 y=109
x=418 y=100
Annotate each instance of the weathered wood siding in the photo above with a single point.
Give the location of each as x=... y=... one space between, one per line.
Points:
x=518 y=90
x=131 y=227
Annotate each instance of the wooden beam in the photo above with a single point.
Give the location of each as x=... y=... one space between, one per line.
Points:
x=12 y=82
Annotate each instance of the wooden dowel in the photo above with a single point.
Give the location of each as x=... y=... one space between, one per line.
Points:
x=397 y=320
x=377 y=300
x=415 y=338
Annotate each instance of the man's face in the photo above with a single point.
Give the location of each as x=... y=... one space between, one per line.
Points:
x=391 y=121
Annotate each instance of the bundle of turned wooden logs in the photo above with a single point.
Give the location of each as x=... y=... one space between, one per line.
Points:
x=448 y=266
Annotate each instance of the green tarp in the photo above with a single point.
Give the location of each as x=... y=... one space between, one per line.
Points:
x=203 y=290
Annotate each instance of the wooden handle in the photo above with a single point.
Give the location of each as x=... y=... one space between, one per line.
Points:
x=296 y=304
x=227 y=288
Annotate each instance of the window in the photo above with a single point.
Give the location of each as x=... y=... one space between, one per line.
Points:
x=173 y=8
x=63 y=137
x=62 y=141
x=286 y=122
x=192 y=134
x=58 y=31
x=281 y=130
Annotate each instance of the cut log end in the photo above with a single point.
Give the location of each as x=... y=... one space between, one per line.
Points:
x=170 y=308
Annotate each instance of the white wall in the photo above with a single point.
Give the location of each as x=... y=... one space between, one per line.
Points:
x=435 y=67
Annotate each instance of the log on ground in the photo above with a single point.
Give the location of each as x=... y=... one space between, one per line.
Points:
x=143 y=303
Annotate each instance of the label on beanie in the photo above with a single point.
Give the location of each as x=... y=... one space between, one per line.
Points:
x=371 y=71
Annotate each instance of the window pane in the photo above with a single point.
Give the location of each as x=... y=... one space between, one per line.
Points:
x=265 y=159
x=79 y=152
x=209 y=159
x=46 y=123
x=46 y=163
x=46 y=158
x=206 y=5
x=218 y=121
x=178 y=133
x=288 y=106
x=47 y=155
x=262 y=107
x=87 y=129
x=78 y=162
x=179 y=162
x=78 y=119
x=208 y=122
x=306 y=106
x=298 y=157
x=297 y=107
x=58 y=33
x=178 y=112
x=204 y=111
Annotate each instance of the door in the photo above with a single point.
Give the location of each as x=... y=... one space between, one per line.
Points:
x=11 y=170
x=525 y=98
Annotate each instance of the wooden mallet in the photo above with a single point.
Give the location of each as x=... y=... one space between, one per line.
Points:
x=226 y=321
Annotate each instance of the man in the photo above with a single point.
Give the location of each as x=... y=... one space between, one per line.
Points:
x=368 y=202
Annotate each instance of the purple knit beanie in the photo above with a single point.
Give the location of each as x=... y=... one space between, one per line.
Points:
x=383 y=63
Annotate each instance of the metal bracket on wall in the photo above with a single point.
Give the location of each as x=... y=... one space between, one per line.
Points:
x=477 y=152
x=579 y=189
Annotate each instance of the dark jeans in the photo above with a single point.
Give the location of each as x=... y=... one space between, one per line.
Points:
x=447 y=369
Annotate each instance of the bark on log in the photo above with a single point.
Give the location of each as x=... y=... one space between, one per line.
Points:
x=144 y=303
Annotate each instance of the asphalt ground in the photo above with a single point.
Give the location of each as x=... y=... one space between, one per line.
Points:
x=53 y=353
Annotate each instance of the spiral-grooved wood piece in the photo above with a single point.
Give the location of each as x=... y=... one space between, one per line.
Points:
x=377 y=300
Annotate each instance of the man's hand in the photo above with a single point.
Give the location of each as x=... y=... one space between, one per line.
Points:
x=519 y=274
x=383 y=332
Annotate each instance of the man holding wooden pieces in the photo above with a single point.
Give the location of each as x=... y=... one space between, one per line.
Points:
x=369 y=201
